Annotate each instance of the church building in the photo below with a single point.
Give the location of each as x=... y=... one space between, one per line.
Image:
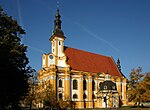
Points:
x=88 y=79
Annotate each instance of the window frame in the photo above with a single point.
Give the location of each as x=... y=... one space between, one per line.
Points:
x=75 y=96
x=75 y=84
x=60 y=83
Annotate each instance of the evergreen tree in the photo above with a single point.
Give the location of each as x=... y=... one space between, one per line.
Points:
x=13 y=63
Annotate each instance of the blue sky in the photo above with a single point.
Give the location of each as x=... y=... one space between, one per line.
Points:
x=117 y=28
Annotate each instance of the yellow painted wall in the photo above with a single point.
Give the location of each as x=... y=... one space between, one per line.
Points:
x=80 y=101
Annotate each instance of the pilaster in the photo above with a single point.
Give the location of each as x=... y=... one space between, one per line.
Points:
x=67 y=84
x=81 y=92
x=124 y=92
x=53 y=76
x=89 y=89
x=118 y=83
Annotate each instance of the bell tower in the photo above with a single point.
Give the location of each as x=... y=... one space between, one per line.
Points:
x=57 y=38
x=57 y=56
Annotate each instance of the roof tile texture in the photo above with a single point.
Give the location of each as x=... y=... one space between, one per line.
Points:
x=89 y=62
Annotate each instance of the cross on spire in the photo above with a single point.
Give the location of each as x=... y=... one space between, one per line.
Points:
x=57 y=4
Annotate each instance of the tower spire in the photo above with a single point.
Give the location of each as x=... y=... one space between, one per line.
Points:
x=57 y=20
x=118 y=65
x=57 y=25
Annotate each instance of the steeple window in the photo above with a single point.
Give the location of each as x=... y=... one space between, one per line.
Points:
x=59 y=43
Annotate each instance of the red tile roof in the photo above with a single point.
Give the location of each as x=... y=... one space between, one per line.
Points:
x=89 y=62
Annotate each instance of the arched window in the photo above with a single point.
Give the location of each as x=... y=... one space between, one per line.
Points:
x=60 y=96
x=93 y=85
x=60 y=83
x=59 y=43
x=121 y=85
x=100 y=84
x=121 y=90
x=84 y=84
x=75 y=84
x=75 y=96
x=84 y=96
x=93 y=96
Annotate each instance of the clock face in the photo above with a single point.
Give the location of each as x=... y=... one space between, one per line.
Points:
x=51 y=56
